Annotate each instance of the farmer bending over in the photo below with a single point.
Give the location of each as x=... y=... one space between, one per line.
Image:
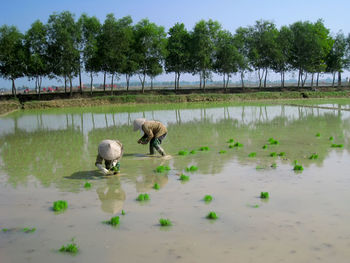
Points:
x=154 y=133
x=111 y=152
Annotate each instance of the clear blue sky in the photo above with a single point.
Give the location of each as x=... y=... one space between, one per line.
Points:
x=231 y=14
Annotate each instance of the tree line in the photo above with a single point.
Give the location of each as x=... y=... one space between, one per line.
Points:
x=65 y=47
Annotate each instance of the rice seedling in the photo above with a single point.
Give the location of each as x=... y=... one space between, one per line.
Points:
x=143 y=197
x=70 y=248
x=183 y=152
x=318 y=134
x=273 y=154
x=238 y=144
x=264 y=195
x=212 y=215
x=231 y=141
x=193 y=152
x=265 y=146
x=208 y=198
x=29 y=230
x=204 y=148
x=60 y=205
x=281 y=154
x=4 y=230
x=313 y=156
x=123 y=213
x=156 y=186
x=259 y=167
x=252 y=154
x=231 y=146
x=337 y=145
x=87 y=185
x=222 y=151
x=184 y=177
x=162 y=168
x=274 y=165
x=298 y=167
x=331 y=138
x=192 y=168
x=114 y=221
x=165 y=222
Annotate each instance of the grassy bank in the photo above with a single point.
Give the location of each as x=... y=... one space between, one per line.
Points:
x=8 y=106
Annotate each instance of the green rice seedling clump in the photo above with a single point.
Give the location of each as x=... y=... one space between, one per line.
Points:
x=259 y=167
x=4 y=230
x=165 y=222
x=331 y=138
x=114 y=221
x=184 y=177
x=231 y=146
x=60 y=205
x=143 y=197
x=208 y=198
x=183 y=152
x=272 y=141
x=318 y=134
x=313 y=156
x=87 y=185
x=231 y=141
x=123 y=213
x=162 y=168
x=274 y=165
x=156 y=186
x=29 y=230
x=193 y=152
x=264 y=195
x=298 y=167
x=193 y=168
x=252 y=154
x=281 y=154
x=337 y=145
x=265 y=146
x=222 y=151
x=204 y=148
x=238 y=144
x=70 y=248
x=212 y=215
x=273 y=154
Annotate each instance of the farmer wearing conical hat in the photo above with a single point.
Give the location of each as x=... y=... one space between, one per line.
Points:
x=154 y=133
x=109 y=151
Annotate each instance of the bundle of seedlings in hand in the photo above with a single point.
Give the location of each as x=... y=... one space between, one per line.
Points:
x=208 y=198
x=70 y=248
x=204 y=149
x=143 y=197
x=114 y=221
x=162 y=168
x=272 y=141
x=231 y=141
x=264 y=195
x=183 y=152
x=212 y=215
x=252 y=154
x=222 y=151
x=60 y=205
x=165 y=222
x=336 y=145
x=193 y=168
x=273 y=154
x=87 y=185
x=184 y=177
x=313 y=156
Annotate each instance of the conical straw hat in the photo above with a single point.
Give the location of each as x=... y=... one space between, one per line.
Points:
x=138 y=123
x=109 y=150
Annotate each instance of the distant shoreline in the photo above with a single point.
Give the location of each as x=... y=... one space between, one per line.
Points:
x=7 y=106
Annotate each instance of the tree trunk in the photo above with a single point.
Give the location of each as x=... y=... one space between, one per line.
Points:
x=299 y=78
x=80 y=84
x=228 y=77
x=265 y=78
x=65 y=84
x=175 y=80
x=142 y=80
x=178 y=80
x=112 y=84
x=312 y=80
x=151 y=83
x=259 y=76
x=200 y=80
x=282 y=79
x=104 y=82
x=333 y=79
x=14 y=92
x=303 y=80
x=339 y=79
x=242 y=76
x=70 y=87
x=223 y=81
x=127 y=76
x=318 y=75
x=91 y=82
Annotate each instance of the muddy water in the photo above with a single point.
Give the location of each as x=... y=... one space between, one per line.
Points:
x=49 y=155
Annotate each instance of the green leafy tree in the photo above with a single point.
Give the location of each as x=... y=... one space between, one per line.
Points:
x=63 y=52
x=150 y=42
x=178 y=53
x=241 y=42
x=203 y=41
x=36 y=53
x=12 y=55
x=90 y=27
x=227 y=58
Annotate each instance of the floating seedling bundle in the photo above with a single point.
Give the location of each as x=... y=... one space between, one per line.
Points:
x=273 y=154
x=192 y=168
x=70 y=248
x=208 y=198
x=252 y=154
x=162 y=169
x=87 y=185
x=165 y=222
x=60 y=205
x=156 y=186
x=222 y=151
x=318 y=134
x=143 y=197
x=193 y=152
x=204 y=148
x=313 y=156
x=212 y=215
x=183 y=152
x=264 y=195
x=114 y=221
x=184 y=177
x=265 y=146
x=231 y=141
x=337 y=145
x=272 y=141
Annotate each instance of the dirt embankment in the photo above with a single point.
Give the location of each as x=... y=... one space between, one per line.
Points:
x=10 y=105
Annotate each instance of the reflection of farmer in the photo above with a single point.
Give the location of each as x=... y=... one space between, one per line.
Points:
x=110 y=151
x=112 y=196
x=154 y=133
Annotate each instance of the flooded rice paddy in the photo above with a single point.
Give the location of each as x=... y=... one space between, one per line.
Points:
x=47 y=156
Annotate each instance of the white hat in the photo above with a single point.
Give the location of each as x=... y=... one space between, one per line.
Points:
x=138 y=123
x=110 y=150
